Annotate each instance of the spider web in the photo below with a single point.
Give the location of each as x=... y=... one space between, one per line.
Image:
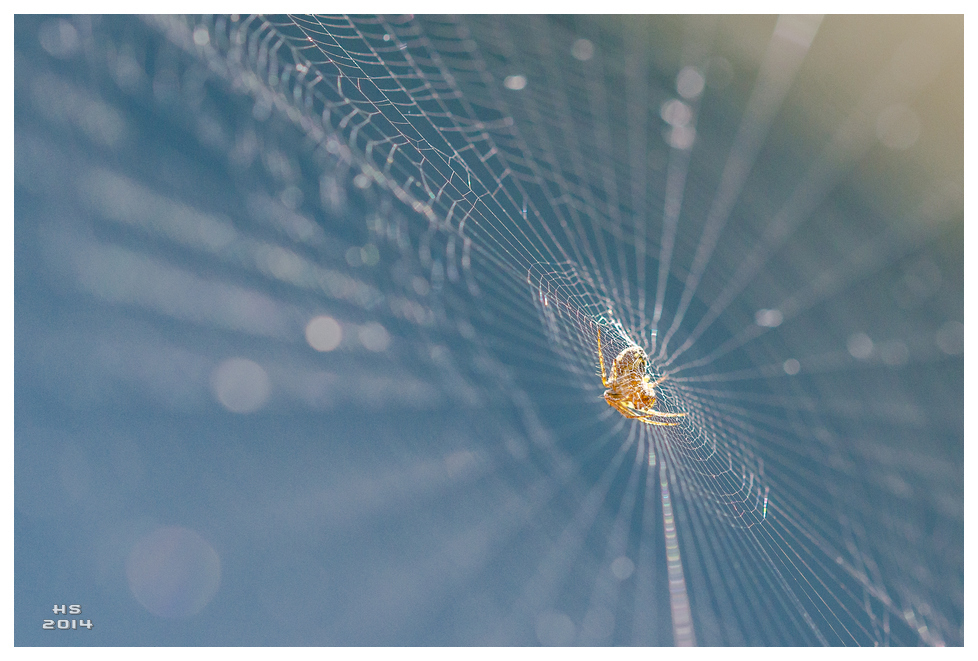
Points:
x=471 y=199
x=572 y=311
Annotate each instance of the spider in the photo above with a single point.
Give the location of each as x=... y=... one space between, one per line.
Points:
x=629 y=390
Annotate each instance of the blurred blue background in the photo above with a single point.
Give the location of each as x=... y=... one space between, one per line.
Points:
x=266 y=395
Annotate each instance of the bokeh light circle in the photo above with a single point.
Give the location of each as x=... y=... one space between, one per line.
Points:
x=173 y=572
x=240 y=385
x=324 y=333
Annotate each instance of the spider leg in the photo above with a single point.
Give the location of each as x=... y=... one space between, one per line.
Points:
x=653 y=413
x=604 y=381
x=665 y=414
x=649 y=421
x=648 y=417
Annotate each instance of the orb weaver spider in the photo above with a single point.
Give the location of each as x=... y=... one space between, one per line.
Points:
x=629 y=390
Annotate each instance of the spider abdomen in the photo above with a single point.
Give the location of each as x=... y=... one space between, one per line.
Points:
x=629 y=389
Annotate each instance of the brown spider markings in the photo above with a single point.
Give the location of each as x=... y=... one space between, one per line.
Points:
x=629 y=389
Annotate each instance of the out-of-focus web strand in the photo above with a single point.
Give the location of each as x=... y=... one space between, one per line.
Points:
x=594 y=77
x=922 y=225
x=695 y=52
x=507 y=229
x=851 y=141
x=763 y=561
x=552 y=570
x=605 y=592
x=786 y=51
x=575 y=241
x=636 y=95
x=562 y=102
x=490 y=84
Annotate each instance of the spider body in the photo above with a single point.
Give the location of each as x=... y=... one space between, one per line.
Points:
x=629 y=390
